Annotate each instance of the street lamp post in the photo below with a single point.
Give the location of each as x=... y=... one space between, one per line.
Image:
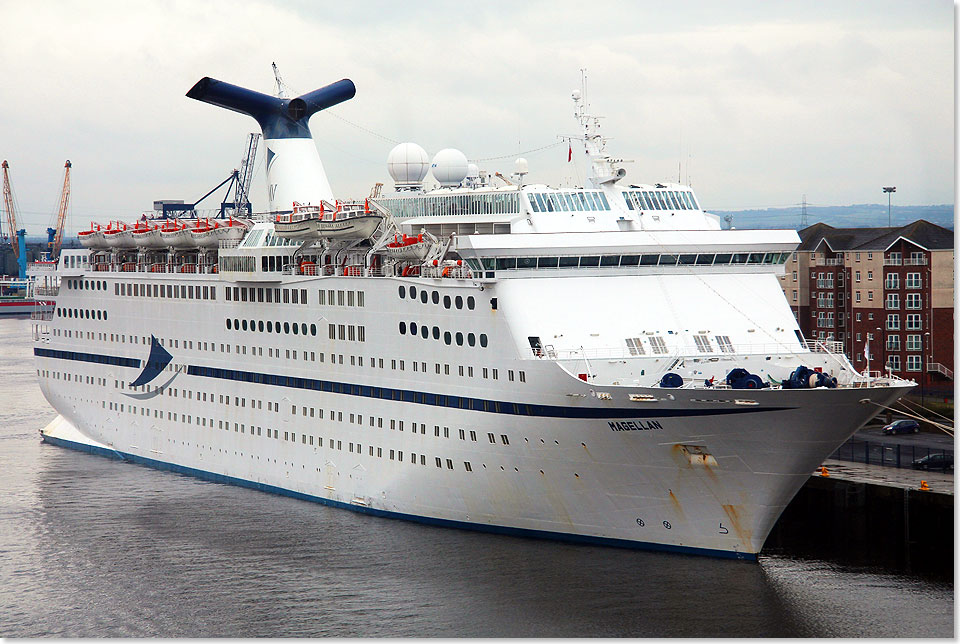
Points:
x=888 y=190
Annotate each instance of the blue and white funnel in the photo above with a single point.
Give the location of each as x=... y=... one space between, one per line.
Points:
x=294 y=169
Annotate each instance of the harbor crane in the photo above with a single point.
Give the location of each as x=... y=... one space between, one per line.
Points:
x=18 y=236
x=55 y=235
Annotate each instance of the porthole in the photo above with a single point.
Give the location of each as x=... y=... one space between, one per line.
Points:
x=104 y=315
x=296 y=329
x=413 y=327
x=276 y=326
x=303 y=328
x=260 y=326
x=286 y=327
x=236 y=324
x=413 y=292
x=403 y=328
x=436 y=333
x=436 y=298
x=98 y=315
x=313 y=329
x=269 y=326
x=471 y=339
x=459 y=339
x=471 y=302
x=446 y=301
x=243 y=324
x=402 y=291
x=459 y=302
x=446 y=337
x=253 y=325
x=483 y=339
x=423 y=297
x=424 y=331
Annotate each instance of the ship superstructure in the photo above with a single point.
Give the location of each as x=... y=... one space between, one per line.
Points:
x=599 y=363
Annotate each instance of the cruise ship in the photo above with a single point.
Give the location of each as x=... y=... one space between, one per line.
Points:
x=600 y=363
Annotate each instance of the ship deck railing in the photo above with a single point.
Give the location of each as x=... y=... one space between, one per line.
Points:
x=154 y=267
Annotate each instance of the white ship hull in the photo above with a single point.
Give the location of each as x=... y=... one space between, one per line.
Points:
x=683 y=473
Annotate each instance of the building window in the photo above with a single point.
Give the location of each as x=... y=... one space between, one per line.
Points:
x=893 y=363
x=913 y=363
x=913 y=280
x=914 y=342
x=857 y=275
x=913 y=300
x=869 y=275
x=893 y=322
x=893 y=342
x=856 y=296
x=913 y=322
x=892 y=281
x=859 y=316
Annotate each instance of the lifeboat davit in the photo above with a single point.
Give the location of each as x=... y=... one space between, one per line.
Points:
x=209 y=234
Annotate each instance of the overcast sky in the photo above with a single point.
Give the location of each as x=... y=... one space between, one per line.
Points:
x=761 y=102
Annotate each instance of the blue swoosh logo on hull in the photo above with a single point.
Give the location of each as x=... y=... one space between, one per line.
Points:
x=156 y=363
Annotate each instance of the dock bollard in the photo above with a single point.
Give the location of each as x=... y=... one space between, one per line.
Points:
x=823 y=471
x=924 y=487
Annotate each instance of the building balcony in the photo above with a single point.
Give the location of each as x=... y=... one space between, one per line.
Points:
x=936 y=367
x=892 y=262
x=915 y=261
x=833 y=261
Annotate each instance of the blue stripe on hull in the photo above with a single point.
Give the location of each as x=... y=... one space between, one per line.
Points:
x=412 y=396
x=445 y=523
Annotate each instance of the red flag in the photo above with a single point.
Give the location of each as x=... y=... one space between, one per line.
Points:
x=569 y=153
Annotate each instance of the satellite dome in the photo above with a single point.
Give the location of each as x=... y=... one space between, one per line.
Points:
x=449 y=167
x=408 y=164
x=473 y=171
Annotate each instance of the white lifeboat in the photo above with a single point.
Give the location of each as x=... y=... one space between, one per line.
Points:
x=176 y=234
x=119 y=236
x=93 y=238
x=408 y=247
x=209 y=234
x=344 y=221
x=147 y=235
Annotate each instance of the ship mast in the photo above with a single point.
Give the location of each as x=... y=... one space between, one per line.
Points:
x=604 y=169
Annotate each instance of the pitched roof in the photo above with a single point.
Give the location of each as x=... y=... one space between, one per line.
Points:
x=920 y=232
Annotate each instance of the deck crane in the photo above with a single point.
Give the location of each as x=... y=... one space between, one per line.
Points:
x=18 y=236
x=55 y=235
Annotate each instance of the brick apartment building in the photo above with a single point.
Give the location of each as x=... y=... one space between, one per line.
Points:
x=889 y=287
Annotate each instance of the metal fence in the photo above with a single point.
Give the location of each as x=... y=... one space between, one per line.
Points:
x=875 y=453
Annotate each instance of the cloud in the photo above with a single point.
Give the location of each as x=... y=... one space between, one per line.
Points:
x=760 y=102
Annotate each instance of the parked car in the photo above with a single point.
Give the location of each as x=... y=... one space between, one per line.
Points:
x=934 y=462
x=902 y=427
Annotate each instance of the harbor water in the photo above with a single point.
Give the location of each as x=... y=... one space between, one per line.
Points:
x=92 y=547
